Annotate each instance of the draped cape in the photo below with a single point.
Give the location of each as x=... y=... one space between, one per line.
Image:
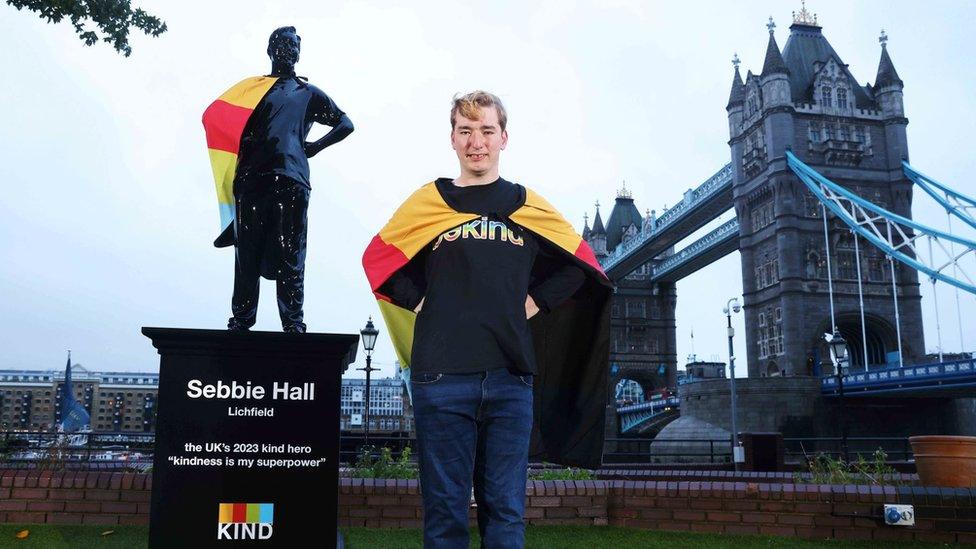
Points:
x=224 y=122
x=571 y=342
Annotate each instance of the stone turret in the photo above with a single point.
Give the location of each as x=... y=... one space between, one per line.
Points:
x=887 y=86
x=888 y=92
x=774 y=79
x=807 y=100
x=737 y=98
x=598 y=235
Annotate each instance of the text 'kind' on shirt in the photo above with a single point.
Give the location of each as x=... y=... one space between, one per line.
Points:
x=476 y=278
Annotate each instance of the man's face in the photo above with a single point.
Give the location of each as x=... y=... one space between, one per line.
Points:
x=286 y=48
x=478 y=143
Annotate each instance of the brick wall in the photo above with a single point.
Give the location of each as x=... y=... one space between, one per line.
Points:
x=752 y=506
x=74 y=497
x=783 y=509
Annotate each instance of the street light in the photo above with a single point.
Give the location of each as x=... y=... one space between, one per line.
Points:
x=738 y=455
x=368 y=334
x=838 y=355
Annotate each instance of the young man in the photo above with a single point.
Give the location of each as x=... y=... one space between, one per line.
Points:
x=459 y=270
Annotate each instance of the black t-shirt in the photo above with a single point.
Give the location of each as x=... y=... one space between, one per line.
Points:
x=474 y=280
x=274 y=138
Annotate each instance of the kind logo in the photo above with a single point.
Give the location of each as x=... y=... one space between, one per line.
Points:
x=240 y=521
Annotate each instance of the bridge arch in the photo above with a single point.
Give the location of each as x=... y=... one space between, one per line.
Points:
x=648 y=381
x=882 y=338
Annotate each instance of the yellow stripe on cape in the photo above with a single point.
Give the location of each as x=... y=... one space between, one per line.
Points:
x=421 y=219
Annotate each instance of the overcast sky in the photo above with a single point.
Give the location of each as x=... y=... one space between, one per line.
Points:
x=108 y=211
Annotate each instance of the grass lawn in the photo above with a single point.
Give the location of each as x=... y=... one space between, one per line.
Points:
x=48 y=536
x=593 y=537
x=52 y=536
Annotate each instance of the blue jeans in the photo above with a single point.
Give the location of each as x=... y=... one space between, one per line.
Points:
x=473 y=426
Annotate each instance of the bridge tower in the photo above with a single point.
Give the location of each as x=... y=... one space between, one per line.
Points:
x=807 y=100
x=642 y=325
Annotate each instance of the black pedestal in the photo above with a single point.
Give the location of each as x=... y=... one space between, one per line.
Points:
x=247 y=438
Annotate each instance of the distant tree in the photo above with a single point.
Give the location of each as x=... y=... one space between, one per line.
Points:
x=112 y=17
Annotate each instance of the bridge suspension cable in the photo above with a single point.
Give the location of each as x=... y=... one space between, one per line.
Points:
x=956 y=205
x=895 y=235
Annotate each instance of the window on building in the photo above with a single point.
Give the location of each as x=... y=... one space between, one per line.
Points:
x=636 y=341
x=770 y=333
x=841 y=98
x=619 y=340
x=825 y=98
x=844 y=132
x=876 y=269
x=821 y=267
x=636 y=308
x=814 y=132
x=857 y=133
x=767 y=271
x=811 y=206
x=762 y=215
x=829 y=131
x=846 y=262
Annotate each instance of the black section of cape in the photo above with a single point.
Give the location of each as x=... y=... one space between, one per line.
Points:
x=571 y=342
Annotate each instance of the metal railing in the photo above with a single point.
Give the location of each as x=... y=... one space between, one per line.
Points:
x=649 y=405
x=38 y=450
x=639 y=450
x=948 y=374
x=44 y=449
x=696 y=248
x=717 y=182
x=800 y=449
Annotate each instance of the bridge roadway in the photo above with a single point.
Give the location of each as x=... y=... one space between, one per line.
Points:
x=951 y=379
x=698 y=207
x=636 y=415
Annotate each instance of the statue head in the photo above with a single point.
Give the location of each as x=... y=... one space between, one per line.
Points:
x=284 y=47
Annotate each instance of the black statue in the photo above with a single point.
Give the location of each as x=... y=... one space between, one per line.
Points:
x=271 y=182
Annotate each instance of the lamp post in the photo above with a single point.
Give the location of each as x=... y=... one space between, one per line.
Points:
x=368 y=334
x=730 y=307
x=838 y=355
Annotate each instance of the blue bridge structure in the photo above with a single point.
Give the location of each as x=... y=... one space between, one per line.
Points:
x=955 y=378
x=637 y=418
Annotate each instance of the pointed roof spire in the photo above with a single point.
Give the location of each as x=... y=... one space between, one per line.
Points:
x=738 y=93
x=598 y=228
x=586 y=226
x=887 y=75
x=774 y=59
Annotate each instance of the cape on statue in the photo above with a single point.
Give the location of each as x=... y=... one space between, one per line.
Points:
x=571 y=341
x=224 y=122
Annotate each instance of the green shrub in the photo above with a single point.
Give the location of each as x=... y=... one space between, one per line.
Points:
x=569 y=473
x=824 y=469
x=383 y=466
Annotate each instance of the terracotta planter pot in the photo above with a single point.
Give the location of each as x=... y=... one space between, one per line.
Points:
x=945 y=460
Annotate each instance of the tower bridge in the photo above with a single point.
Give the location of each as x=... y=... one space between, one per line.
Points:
x=819 y=172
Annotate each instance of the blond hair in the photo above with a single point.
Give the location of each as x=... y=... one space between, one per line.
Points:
x=470 y=105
